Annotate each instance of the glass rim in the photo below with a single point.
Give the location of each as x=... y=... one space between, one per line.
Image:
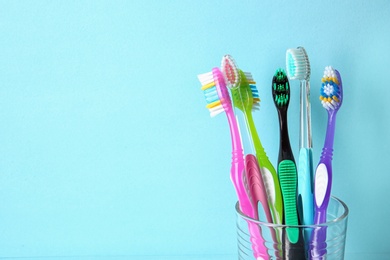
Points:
x=328 y=223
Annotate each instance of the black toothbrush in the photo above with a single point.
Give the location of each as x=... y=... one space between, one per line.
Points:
x=294 y=246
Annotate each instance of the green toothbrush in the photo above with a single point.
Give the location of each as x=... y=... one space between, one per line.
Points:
x=246 y=98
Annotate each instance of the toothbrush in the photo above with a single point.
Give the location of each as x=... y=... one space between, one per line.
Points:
x=287 y=169
x=331 y=98
x=218 y=99
x=245 y=97
x=298 y=67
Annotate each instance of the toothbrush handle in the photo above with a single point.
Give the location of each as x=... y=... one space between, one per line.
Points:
x=269 y=176
x=272 y=203
x=305 y=186
x=294 y=247
x=322 y=191
x=305 y=192
x=237 y=173
x=305 y=135
x=238 y=164
x=323 y=175
x=237 y=176
x=288 y=182
x=323 y=185
x=258 y=197
x=287 y=172
x=256 y=189
x=305 y=161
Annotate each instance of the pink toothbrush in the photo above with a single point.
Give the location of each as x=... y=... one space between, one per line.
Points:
x=218 y=99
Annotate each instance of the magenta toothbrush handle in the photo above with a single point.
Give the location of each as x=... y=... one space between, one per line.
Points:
x=256 y=188
x=237 y=173
x=238 y=165
x=258 y=197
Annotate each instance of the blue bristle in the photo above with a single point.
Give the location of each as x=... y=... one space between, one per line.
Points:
x=291 y=67
x=211 y=95
x=255 y=92
x=212 y=89
x=336 y=89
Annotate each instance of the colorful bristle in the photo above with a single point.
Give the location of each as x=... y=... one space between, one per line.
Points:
x=280 y=88
x=331 y=95
x=214 y=90
x=255 y=92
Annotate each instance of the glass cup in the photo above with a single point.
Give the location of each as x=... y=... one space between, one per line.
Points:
x=265 y=241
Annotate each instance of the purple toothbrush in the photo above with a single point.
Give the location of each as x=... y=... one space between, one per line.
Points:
x=331 y=98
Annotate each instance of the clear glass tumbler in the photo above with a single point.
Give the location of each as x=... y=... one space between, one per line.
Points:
x=265 y=241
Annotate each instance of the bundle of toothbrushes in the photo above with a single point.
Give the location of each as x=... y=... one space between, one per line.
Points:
x=291 y=193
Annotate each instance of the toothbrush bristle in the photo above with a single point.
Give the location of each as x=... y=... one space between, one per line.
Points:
x=215 y=92
x=249 y=78
x=230 y=71
x=297 y=64
x=255 y=93
x=280 y=88
x=256 y=98
x=331 y=90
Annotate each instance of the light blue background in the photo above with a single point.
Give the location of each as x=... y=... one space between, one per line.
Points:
x=106 y=147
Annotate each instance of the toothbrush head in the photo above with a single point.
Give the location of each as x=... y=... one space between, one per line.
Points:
x=332 y=89
x=215 y=92
x=245 y=95
x=281 y=89
x=297 y=64
x=231 y=72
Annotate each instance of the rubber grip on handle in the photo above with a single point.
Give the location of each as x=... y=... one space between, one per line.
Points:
x=294 y=244
x=288 y=183
x=256 y=193
x=256 y=188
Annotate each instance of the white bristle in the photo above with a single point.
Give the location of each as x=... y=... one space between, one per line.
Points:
x=329 y=72
x=216 y=110
x=327 y=105
x=248 y=76
x=328 y=89
x=256 y=106
x=330 y=104
x=297 y=64
x=206 y=78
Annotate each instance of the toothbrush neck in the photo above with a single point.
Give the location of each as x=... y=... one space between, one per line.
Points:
x=238 y=164
x=260 y=153
x=285 y=152
x=305 y=136
x=243 y=130
x=237 y=148
x=329 y=138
